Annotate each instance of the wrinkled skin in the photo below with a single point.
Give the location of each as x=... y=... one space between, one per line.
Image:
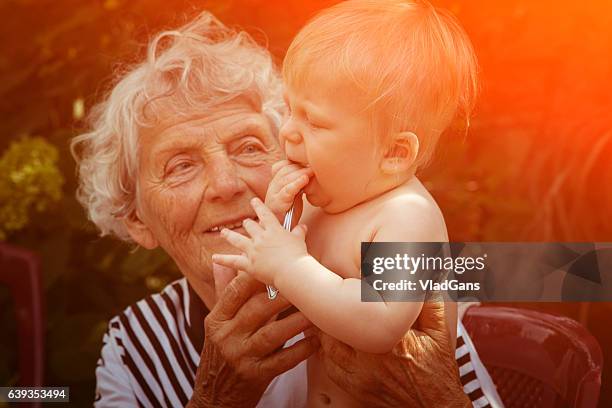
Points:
x=421 y=371
x=200 y=172
x=240 y=357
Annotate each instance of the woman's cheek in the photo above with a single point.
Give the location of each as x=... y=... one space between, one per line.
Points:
x=258 y=179
x=176 y=209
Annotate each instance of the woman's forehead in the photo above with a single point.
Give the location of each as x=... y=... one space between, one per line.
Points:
x=221 y=122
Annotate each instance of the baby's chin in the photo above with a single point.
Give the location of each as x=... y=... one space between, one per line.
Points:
x=317 y=197
x=325 y=203
x=316 y=200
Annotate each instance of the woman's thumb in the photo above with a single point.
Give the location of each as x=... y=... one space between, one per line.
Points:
x=222 y=276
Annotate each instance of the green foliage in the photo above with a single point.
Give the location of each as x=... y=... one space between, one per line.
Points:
x=29 y=181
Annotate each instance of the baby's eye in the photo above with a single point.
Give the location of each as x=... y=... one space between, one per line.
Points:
x=313 y=124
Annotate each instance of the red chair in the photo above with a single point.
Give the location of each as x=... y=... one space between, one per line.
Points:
x=19 y=270
x=536 y=359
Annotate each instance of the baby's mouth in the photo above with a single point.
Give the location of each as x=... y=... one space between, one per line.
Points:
x=308 y=188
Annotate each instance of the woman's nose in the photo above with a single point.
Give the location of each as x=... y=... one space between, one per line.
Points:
x=224 y=183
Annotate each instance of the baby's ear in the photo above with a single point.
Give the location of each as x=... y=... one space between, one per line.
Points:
x=401 y=154
x=139 y=231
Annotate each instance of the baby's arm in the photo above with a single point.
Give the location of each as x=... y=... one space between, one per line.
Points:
x=333 y=304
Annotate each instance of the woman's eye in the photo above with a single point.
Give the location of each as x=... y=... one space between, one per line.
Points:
x=180 y=167
x=251 y=148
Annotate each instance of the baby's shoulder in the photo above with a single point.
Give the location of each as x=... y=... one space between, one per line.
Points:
x=411 y=213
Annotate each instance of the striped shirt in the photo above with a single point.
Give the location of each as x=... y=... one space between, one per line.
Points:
x=151 y=352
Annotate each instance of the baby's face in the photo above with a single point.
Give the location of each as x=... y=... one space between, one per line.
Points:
x=328 y=130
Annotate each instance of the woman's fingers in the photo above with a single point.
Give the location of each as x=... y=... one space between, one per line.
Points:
x=266 y=217
x=274 y=334
x=338 y=359
x=234 y=295
x=238 y=262
x=222 y=276
x=258 y=311
x=287 y=358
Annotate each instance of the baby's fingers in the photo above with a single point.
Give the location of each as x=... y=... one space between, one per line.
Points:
x=279 y=165
x=252 y=227
x=292 y=189
x=297 y=174
x=287 y=172
x=238 y=262
x=238 y=240
x=266 y=216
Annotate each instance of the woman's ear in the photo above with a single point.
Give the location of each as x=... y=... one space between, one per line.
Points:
x=402 y=153
x=139 y=231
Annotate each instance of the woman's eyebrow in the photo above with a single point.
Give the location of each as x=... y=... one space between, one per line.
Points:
x=243 y=128
x=178 y=144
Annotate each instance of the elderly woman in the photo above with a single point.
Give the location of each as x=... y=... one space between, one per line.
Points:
x=175 y=152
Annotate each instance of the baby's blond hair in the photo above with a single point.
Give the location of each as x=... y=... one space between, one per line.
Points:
x=413 y=63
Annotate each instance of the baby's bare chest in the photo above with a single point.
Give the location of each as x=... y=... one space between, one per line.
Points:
x=335 y=241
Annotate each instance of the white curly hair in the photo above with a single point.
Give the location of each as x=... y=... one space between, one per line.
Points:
x=191 y=69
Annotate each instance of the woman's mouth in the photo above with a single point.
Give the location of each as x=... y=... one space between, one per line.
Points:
x=230 y=225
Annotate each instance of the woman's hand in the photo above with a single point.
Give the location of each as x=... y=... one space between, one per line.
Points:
x=243 y=345
x=270 y=250
x=421 y=371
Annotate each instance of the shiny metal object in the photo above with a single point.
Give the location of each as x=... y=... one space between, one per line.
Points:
x=272 y=291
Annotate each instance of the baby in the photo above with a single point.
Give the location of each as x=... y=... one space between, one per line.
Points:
x=370 y=86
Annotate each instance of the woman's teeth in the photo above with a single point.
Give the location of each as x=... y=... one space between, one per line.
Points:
x=235 y=225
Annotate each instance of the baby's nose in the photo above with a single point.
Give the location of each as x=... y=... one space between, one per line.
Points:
x=292 y=142
x=296 y=153
x=289 y=133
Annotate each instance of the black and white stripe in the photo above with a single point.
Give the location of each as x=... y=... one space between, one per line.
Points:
x=477 y=383
x=157 y=346
x=151 y=352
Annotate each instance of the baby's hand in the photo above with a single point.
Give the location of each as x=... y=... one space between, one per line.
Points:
x=287 y=181
x=269 y=251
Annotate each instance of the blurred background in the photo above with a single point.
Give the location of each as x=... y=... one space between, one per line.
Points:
x=536 y=164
